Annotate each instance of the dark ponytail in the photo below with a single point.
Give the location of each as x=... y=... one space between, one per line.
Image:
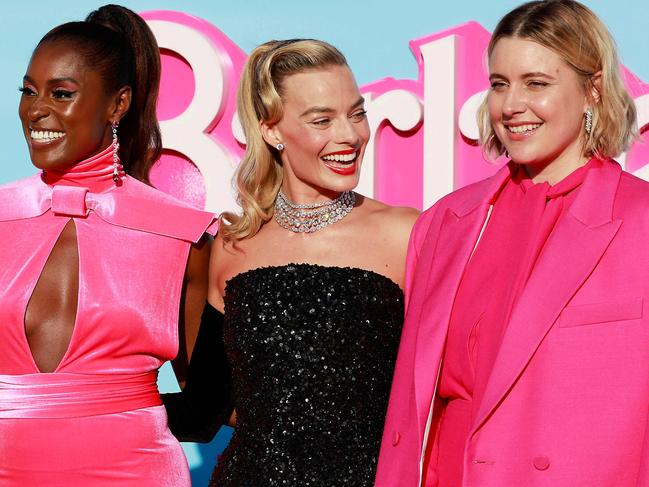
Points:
x=120 y=46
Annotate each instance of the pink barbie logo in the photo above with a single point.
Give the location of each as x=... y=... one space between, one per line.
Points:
x=424 y=134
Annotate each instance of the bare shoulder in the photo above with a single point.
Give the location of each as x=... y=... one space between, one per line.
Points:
x=398 y=220
x=226 y=258
x=198 y=261
x=384 y=233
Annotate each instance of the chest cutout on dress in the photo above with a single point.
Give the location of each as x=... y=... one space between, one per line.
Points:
x=51 y=312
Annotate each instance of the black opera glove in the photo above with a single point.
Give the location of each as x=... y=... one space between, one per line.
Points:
x=205 y=404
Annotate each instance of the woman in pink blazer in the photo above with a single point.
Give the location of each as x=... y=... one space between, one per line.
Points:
x=524 y=359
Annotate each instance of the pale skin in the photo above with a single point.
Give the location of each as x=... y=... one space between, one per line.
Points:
x=61 y=93
x=344 y=244
x=536 y=106
x=323 y=114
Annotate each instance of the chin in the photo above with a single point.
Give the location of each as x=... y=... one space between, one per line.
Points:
x=348 y=184
x=524 y=158
x=39 y=163
x=46 y=163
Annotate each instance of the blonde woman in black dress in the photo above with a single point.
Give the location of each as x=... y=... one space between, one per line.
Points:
x=309 y=276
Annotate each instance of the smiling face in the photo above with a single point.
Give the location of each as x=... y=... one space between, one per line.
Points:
x=536 y=107
x=324 y=130
x=64 y=108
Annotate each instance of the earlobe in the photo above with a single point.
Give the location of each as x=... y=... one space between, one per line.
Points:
x=271 y=134
x=122 y=104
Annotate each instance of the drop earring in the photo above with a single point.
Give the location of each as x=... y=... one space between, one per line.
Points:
x=588 y=123
x=116 y=162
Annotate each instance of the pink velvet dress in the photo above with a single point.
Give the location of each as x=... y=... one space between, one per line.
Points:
x=97 y=420
x=523 y=218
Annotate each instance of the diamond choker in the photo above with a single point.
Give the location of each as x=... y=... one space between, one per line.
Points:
x=313 y=217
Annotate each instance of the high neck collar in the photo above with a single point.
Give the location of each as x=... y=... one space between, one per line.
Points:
x=561 y=188
x=94 y=173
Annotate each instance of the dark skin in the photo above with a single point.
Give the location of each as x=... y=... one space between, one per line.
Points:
x=63 y=95
x=52 y=308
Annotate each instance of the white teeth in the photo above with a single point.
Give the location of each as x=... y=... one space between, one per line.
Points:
x=46 y=135
x=519 y=129
x=340 y=157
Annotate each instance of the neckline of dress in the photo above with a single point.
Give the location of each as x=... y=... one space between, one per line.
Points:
x=562 y=187
x=95 y=173
x=288 y=265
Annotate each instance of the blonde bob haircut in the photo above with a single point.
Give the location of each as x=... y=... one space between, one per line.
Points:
x=259 y=175
x=580 y=38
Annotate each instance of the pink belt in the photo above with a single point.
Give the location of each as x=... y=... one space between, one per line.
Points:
x=64 y=395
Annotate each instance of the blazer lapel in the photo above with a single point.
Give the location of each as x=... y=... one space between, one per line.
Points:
x=572 y=252
x=442 y=262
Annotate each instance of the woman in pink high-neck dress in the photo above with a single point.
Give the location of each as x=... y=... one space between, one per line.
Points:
x=95 y=268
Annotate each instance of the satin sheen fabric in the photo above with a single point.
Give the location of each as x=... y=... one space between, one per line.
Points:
x=97 y=420
x=566 y=403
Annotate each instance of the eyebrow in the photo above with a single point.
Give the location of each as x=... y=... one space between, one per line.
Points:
x=320 y=109
x=53 y=80
x=533 y=74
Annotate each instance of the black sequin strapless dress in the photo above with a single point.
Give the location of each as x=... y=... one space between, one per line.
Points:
x=312 y=350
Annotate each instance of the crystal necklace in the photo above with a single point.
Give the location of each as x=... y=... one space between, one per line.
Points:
x=313 y=217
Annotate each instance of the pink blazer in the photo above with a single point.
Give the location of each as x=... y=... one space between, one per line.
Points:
x=567 y=402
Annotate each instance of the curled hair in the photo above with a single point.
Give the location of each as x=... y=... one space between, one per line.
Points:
x=118 y=44
x=579 y=37
x=259 y=175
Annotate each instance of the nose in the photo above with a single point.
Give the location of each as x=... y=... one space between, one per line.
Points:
x=347 y=132
x=514 y=101
x=37 y=109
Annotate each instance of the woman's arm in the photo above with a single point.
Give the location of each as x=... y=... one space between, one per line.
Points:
x=204 y=404
x=192 y=302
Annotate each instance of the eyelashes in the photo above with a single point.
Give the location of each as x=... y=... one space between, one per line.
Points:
x=360 y=115
x=58 y=93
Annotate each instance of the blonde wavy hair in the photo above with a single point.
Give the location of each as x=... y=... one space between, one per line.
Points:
x=259 y=175
x=580 y=38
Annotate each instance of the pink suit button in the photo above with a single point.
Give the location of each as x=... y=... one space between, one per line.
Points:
x=541 y=462
x=396 y=438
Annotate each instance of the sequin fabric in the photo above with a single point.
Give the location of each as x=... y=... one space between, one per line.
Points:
x=312 y=350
